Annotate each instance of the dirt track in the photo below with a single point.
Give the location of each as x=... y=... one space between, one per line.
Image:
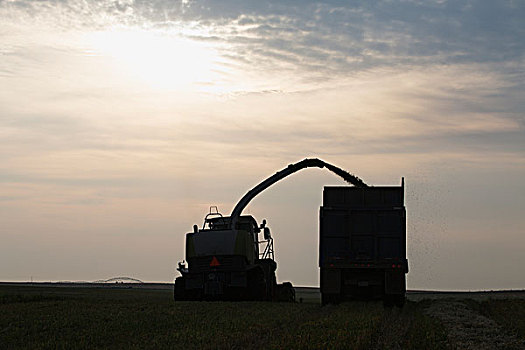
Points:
x=470 y=330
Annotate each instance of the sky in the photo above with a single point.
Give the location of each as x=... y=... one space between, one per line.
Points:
x=122 y=122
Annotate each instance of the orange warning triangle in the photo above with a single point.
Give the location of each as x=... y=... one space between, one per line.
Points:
x=214 y=262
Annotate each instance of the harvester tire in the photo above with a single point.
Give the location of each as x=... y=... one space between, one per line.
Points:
x=179 y=292
x=256 y=285
x=285 y=292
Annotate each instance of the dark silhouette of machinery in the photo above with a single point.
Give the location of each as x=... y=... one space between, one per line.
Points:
x=227 y=260
x=224 y=256
x=362 y=244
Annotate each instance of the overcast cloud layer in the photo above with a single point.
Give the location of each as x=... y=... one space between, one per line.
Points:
x=121 y=122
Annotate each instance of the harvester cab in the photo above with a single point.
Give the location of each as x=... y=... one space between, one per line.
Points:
x=245 y=227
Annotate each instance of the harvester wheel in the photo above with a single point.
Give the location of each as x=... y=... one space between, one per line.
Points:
x=179 y=289
x=285 y=292
x=256 y=285
x=289 y=292
x=271 y=285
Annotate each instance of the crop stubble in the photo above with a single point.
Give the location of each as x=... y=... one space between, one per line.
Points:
x=115 y=318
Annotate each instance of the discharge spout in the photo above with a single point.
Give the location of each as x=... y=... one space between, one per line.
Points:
x=292 y=168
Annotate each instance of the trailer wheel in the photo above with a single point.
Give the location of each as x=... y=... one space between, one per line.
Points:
x=400 y=300
x=330 y=298
x=390 y=300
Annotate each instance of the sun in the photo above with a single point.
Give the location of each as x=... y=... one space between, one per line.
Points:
x=161 y=59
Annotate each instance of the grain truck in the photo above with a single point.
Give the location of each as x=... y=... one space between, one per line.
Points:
x=362 y=244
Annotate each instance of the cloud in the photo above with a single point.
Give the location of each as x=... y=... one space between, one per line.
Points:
x=372 y=34
x=432 y=109
x=313 y=36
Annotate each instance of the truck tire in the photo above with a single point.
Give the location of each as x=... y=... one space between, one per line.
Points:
x=400 y=300
x=389 y=300
x=330 y=298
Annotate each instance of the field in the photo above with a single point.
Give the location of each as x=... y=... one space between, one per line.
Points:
x=34 y=317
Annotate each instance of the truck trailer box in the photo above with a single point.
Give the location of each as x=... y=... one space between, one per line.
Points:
x=362 y=243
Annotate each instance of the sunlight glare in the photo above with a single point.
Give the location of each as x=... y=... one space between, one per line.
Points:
x=162 y=60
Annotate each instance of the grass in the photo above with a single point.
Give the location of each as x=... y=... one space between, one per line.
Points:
x=37 y=317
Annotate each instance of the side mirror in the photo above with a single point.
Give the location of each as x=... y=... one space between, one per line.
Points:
x=267 y=234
